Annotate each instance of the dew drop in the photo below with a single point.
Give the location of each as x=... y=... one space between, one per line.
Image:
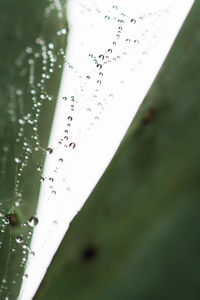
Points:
x=29 y=50
x=51 y=179
x=107 y=17
x=99 y=66
x=99 y=82
x=54 y=192
x=51 y=46
x=33 y=221
x=70 y=118
x=133 y=21
x=100 y=74
x=101 y=56
x=61 y=159
x=19 y=92
x=39 y=168
x=25 y=276
x=72 y=145
x=43 y=96
x=49 y=150
x=18 y=160
x=19 y=239
x=64 y=98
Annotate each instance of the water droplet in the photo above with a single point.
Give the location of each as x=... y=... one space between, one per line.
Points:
x=61 y=159
x=64 y=98
x=43 y=96
x=54 y=192
x=101 y=56
x=19 y=239
x=19 y=92
x=29 y=50
x=110 y=50
x=18 y=160
x=136 y=41
x=42 y=179
x=128 y=40
x=115 y=7
x=107 y=17
x=25 y=276
x=72 y=145
x=51 y=46
x=49 y=150
x=69 y=118
x=88 y=77
x=99 y=82
x=21 y=121
x=33 y=92
x=133 y=21
x=39 y=168
x=100 y=74
x=51 y=179
x=33 y=221
x=99 y=66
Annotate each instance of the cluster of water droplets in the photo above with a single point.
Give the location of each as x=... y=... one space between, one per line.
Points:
x=36 y=67
x=85 y=107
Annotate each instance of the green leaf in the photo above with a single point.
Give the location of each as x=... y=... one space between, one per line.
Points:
x=30 y=47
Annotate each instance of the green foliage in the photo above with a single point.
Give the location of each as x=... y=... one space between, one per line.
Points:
x=138 y=236
x=26 y=29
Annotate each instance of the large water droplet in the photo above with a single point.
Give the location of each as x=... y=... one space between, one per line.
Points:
x=49 y=150
x=33 y=221
x=18 y=160
x=72 y=145
x=99 y=66
x=19 y=239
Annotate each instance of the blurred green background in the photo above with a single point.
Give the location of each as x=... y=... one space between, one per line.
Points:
x=138 y=235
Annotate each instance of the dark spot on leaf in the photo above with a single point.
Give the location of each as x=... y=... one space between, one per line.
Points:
x=149 y=116
x=89 y=253
x=13 y=220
